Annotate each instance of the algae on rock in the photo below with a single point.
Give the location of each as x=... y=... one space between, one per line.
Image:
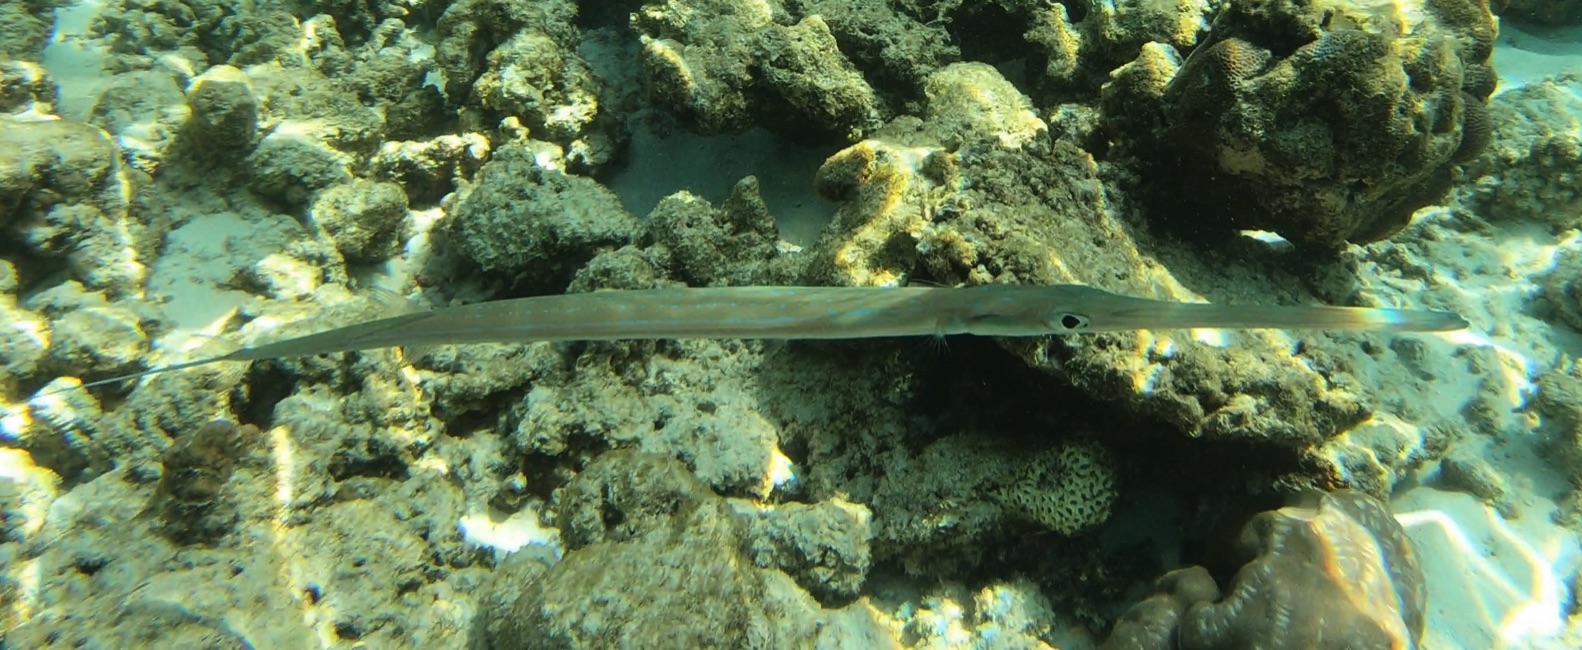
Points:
x=653 y=554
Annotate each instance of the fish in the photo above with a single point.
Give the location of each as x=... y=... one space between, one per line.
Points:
x=791 y=313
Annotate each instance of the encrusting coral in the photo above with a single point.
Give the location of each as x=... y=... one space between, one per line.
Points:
x=1067 y=489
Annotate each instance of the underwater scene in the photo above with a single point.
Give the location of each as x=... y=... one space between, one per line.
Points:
x=1079 y=324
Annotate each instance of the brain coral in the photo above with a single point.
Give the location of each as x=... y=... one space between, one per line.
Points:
x=1336 y=574
x=1067 y=489
x=1325 y=121
x=1341 y=571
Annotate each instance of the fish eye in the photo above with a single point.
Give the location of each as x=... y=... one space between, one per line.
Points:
x=1071 y=322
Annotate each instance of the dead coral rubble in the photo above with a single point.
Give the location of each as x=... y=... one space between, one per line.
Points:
x=653 y=554
x=728 y=65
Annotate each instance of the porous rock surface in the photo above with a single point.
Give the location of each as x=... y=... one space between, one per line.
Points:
x=653 y=554
x=1326 y=122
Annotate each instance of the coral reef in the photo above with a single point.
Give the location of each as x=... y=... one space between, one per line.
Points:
x=1467 y=471
x=938 y=534
x=26 y=27
x=63 y=193
x=736 y=243
x=1337 y=574
x=1325 y=122
x=24 y=86
x=894 y=49
x=901 y=211
x=726 y=65
x=1559 y=400
x=255 y=171
x=612 y=396
x=89 y=335
x=21 y=349
x=1079 y=43
x=144 y=111
x=824 y=546
x=980 y=487
x=534 y=226
x=1559 y=298
x=1522 y=175
x=428 y=170
x=1009 y=614
x=966 y=100
x=224 y=113
x=652 y=553
x=518 y=60
x=363 y=218
x=62 y=437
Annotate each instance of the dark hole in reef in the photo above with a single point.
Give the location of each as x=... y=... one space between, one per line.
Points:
x=265 y=385
x=612 y=516
x=89 y=565
x=987 y=32
x=1076 y=10
x=376 y=458
x=547 y=473
x=349 y=630
x=611 y=13
x=463 y=425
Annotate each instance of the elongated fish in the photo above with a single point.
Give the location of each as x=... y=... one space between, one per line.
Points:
x=814 y=313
